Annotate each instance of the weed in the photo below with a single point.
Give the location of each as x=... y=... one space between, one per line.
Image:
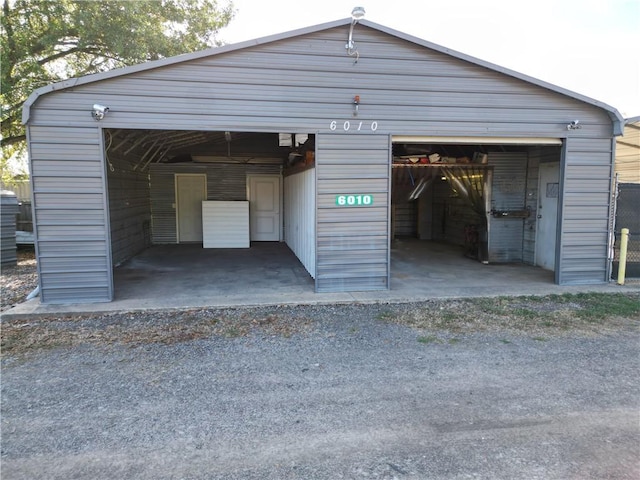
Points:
x=491 y=305
x=539 y=339
x=505 y=341
x=428 y=339
x=232 y=332
x=525 y=313
x=448 y=316
x=454 y=341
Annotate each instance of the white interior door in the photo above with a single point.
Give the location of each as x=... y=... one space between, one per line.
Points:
x=191 y=190
x=547 y=221
x=264 y=207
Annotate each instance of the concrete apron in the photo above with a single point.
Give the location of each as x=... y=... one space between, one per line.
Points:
x=268 y=273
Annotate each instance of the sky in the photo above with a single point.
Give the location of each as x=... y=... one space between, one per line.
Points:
x=591 y=47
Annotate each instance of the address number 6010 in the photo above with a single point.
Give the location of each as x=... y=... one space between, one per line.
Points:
x=353 y=126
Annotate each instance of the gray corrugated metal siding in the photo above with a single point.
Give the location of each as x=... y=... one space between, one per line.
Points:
x=402 y=96
x=587 y=181
x=352 y=242
x=71 y=226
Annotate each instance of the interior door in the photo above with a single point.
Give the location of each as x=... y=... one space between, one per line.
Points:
x=547 y=221
x=264 y=208
x=191 y=190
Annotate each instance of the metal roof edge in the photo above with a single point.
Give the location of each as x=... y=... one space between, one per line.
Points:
x=616 y=118
x=163 y=62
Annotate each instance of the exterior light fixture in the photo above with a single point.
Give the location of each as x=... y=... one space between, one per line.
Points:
x=356 y=15
x=99 y=111
x=356 y=104
x=575 y=125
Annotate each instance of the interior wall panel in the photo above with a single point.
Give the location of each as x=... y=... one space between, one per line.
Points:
x=225 y=182
x=129 y=207
x=300 y=219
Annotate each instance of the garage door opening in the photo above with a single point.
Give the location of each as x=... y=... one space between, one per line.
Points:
x=209 y=206
x=456 y=205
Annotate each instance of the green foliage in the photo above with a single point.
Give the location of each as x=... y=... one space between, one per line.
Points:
x=599 y=307
x=47 y=41
x=428 y=339
x=583 y=313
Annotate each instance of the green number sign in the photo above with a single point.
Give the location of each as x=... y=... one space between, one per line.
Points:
x=358 y=200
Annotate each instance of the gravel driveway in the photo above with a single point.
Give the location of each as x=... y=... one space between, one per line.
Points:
x=342 y=393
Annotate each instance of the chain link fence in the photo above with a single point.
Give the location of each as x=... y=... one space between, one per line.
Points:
x=628 y=216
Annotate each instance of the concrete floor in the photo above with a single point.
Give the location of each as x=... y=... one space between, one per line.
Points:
x=198 y=273
x=183 y=276
x=189 y=273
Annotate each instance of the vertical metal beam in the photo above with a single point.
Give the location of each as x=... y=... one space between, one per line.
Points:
x=613 y=201
x=389 y=194
x=557 y=274
x=107 y=213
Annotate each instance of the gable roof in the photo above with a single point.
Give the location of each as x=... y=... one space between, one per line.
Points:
x=616 y=117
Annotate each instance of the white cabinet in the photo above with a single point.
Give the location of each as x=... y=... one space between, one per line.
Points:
x=225 y=224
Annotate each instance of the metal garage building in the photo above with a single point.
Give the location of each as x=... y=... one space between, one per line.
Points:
x=334 y=150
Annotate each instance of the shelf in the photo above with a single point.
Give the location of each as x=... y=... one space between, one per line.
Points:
x=440 y=165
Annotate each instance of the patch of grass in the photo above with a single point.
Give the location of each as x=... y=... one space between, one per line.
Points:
x=598 y=307
x=525 y=313
x=454 y=341
x=495 y=306
x=539 y=339
x=584 y=314
x=448 y=316
x=232 y=332
x=505 y=341
x=385 y=316
x=428 y=339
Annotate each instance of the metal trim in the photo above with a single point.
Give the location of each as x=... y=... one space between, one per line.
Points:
x=107 y=213
x=389 y=196
x=477 y=140
x=557 y=272
x=33 y=215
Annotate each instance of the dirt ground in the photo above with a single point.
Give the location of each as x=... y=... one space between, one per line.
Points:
x=420 y=391
x=16 y=282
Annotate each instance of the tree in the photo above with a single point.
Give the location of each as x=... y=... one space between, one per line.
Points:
x=46 y=41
